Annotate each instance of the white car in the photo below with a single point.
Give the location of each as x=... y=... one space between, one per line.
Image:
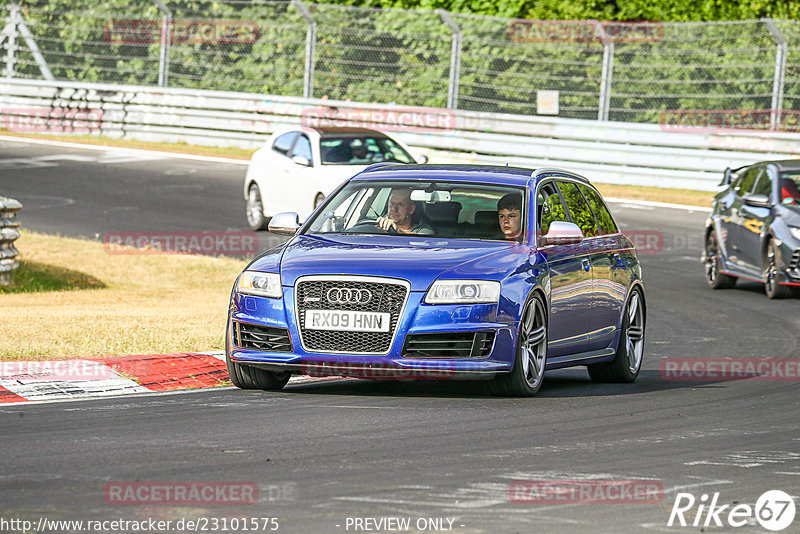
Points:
x=296 y=169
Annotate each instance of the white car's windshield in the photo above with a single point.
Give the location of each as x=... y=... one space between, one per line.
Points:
x=361 y=150
x=442 y=209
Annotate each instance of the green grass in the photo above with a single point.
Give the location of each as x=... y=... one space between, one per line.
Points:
x=35 y=277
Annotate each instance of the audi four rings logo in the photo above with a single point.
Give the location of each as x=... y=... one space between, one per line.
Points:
x=343 y=295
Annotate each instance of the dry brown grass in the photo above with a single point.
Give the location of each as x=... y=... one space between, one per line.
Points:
x=113 y=304
x=657 y=194
x=181 y=148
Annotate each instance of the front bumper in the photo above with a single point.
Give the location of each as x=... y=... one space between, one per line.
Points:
x=417 y=318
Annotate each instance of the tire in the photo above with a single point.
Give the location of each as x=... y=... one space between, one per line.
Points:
x=249 y=377
x=254 y=210
x=530 y=358
x=772 y=287
x=627 y=362
x=318 y=200
x=713 y=263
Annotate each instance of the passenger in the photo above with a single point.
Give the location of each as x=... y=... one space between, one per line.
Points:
x=400 y=215
x=509 y=214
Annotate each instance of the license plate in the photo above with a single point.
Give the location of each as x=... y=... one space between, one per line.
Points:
x=347 y=321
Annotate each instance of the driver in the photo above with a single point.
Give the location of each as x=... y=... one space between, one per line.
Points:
x=400 y=215
x=358 y=149
x=509 y=215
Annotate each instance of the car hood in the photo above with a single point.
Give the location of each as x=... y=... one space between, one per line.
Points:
x=789 y=214
x=420 y=260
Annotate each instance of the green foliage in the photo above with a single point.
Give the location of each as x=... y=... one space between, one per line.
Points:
x=403 y=55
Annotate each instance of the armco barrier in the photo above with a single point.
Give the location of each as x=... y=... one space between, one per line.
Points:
x=606 y=152
x=9 y=232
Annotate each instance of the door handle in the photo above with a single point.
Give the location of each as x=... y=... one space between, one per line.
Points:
x=586 y=265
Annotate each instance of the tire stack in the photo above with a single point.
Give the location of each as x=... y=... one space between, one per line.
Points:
x=9 y=232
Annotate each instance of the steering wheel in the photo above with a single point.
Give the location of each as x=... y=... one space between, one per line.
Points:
x=374 y=222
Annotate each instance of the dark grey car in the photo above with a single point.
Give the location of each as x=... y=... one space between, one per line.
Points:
x=754 y=228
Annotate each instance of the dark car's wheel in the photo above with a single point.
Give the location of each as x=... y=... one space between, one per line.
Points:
x=713 y=264
x=254 y=210
x=318 y=200
x=527 y=375
x=627 y=361
x=772 y=286
x=248 y=377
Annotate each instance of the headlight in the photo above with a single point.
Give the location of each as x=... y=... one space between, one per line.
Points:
x=463 y=292
x=261 y=284
x=795 y=232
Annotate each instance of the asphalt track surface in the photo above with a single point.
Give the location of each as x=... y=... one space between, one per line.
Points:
x=323 y=454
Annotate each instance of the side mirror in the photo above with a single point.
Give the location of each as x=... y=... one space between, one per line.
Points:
x=757 y=201
x=727 y=176
x=422 y=160
x=301 y=160
x=562 y=233
x=285 y=223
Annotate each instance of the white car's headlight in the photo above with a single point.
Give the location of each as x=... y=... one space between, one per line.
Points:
x=261 y=284
x=795 y=232
x=463 y=292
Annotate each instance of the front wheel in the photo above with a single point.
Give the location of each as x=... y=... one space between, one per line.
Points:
x=527 y=375
x=627 y=361
x=248 y=377
x=772 y=285
x=713 y=265
x=254 y=210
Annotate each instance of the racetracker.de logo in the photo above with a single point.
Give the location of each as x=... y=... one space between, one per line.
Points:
x=393 y=119
x=137 y=32
x=705 y=369
x=181 y=493
x=721 y=121
x=374 y=371
x=584 y=31
x=52 y=120
x=205 y=243
x=585 y=491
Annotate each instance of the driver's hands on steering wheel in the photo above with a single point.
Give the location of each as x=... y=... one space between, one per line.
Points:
x=385 y=223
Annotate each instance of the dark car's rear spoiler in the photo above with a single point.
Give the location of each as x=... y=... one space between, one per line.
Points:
x=727 y=176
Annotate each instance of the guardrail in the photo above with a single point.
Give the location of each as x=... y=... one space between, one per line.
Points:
x=668 y=155
x=9 y=232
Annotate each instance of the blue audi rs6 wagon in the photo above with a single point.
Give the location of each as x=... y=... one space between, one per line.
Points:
x=443 y=272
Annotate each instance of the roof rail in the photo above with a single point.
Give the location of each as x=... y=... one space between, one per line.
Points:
x=376 y=166
x=548 y=170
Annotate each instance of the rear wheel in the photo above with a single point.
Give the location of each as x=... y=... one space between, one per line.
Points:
x=527 y=375
x=254 y=210
x=627 y=362
x=713 y=265
x=318 y=200
x=772 y=286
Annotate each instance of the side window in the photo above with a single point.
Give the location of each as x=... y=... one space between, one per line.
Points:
x=578 y=208
x=549 y=208
x=764 y=184
x=302 y=148
x=284 y=142
x=604 y=220
x=747 y=181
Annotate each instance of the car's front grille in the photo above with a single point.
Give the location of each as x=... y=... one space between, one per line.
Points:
x=449 y=345
x=263 y=338
x=387 y=296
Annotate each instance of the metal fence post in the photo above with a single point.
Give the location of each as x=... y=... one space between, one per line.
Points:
x=779 y=76
x=607 y=73
x=455 y=58
x=9 y=232
x=10 y=35
x=311 y=44
x=166 y=37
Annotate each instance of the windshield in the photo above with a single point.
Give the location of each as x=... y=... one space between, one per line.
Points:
x=361 y=150
x=441 y=209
